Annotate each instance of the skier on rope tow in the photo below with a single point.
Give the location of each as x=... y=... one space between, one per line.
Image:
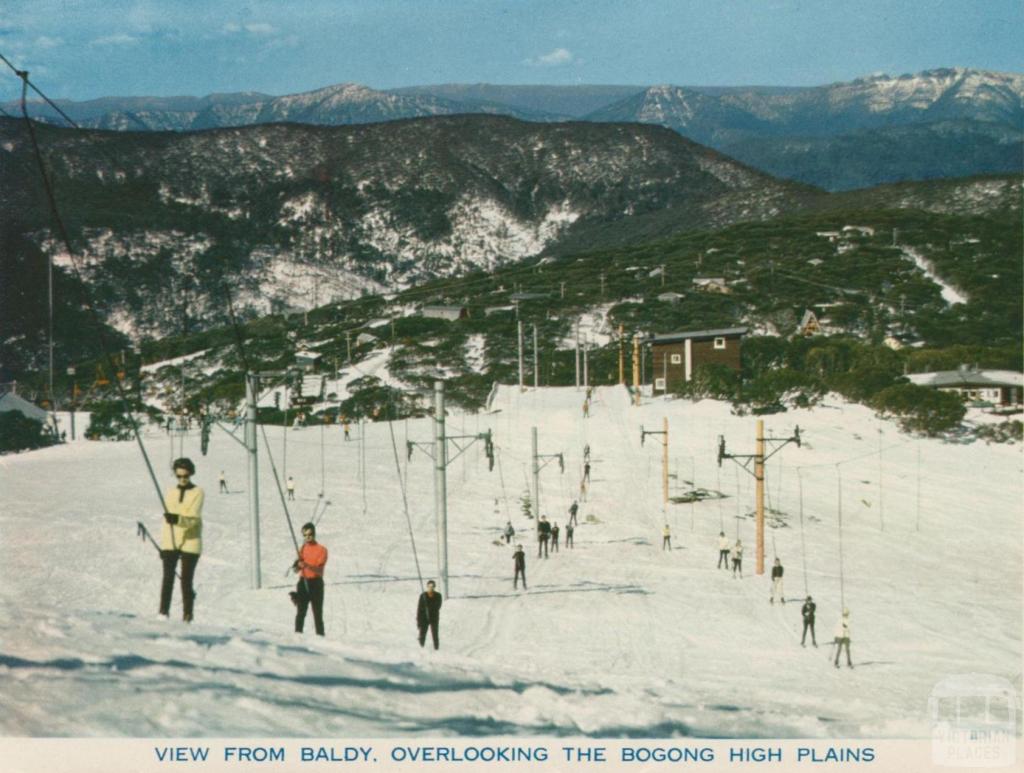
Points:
x=842 y=638
x=807 y=612
x=723 y=551
x=181 y=538
x=428 y=613
x=519 y=562
x=310 y=588
x=777 y=572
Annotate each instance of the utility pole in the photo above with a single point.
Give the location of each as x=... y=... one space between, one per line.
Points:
x=586 y=359
x=536 y=361
x=537 y=467
x=251 y=391
x=536 y=474
x=622 y=360
x=520 y=327
x=438 y=451
x=74 y=398
x=577 y=355
x=636 y=368
x=759 y=493
x=441 y=484
x=664 y=454
x=348 y=345
x=758 y=458
x=53 y=402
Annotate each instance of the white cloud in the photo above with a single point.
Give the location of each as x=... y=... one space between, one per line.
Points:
x=260 y=28
x=114 y=40
x=44 y=41
x=230 y=27
x=554 y=58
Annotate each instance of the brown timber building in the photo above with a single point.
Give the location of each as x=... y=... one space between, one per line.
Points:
x=677 y=355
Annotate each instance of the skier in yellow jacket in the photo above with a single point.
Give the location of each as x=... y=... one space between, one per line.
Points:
x=181 y=537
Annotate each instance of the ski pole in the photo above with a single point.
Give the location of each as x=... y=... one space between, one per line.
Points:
x=143 y=533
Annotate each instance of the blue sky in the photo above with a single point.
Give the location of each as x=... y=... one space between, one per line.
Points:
x=88 y=49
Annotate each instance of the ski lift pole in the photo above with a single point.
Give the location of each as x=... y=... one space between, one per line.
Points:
x=664 y=455
x=441 y=484
x=758 y=458
x=251 y=391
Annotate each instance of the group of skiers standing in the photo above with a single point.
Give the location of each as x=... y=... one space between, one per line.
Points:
x=807 y=611
x=548 y=534
x=181 y=542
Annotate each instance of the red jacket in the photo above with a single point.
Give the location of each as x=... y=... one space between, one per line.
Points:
x=314 y=555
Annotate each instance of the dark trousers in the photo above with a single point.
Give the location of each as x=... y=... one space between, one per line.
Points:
x=515 y=580
x=666 y=543
x=840 y=643
x=554 y=543
x=808 y=626
x=737 y=566
x=568 y=540
x=188 y=571
x=307 y=592
x=224 y=487
x=508 y=539
x=542 y=546
x=723 y=556
x=433 y=633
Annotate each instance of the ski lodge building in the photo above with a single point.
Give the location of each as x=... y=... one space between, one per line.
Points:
x=1001 y=388
x=677 y=355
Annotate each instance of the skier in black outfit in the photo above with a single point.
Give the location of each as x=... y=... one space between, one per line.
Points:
x=519 y=559
x=586 y=472
x=554 y=537
x=777 y=582
x=428 y=613
x=573 y=509
x=568 y=535
x=543 y=535
x=509 y=533
x=807 y=611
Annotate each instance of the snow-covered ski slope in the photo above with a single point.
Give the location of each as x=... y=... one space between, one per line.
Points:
x=614 y=638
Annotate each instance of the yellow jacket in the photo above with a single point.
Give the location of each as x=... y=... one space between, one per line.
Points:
x=187 y=534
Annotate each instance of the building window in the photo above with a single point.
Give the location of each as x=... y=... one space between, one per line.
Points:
x=659 y=385
x=720 y=342
x=676 y=359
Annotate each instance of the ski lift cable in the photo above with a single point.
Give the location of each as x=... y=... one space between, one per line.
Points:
x=504 y=493
x=738 y=497
x=839 y=494
x=405 y=503
x=721 y=496
x=280 y=489
x=64 y=238
x=803 y=535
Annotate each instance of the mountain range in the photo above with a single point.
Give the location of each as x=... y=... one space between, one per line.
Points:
x=298 y=215
x=873 y=130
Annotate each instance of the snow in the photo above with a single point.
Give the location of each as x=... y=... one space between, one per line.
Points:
x=593 y=328
x=613 y=638
x=950 y=294
x=153 y=367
